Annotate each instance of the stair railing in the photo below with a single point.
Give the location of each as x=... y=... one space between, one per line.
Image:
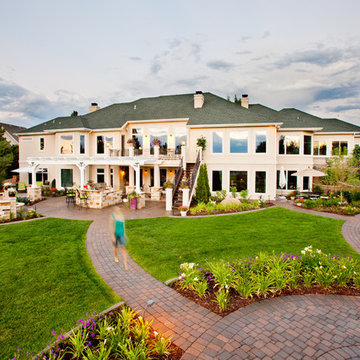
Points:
x=194 y=176
x=178 y=177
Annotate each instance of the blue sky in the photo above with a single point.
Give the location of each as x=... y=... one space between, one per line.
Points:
x=59 y=57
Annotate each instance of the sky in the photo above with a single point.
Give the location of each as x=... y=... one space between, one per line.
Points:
x=56 y=57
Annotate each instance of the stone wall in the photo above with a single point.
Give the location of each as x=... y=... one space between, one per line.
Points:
x=100 y=199
x=7 y=206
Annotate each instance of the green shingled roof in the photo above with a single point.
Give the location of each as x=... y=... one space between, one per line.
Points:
x=215 y=111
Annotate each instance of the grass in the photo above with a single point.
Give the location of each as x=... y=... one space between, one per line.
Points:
x=160 y=245
x=47 y=282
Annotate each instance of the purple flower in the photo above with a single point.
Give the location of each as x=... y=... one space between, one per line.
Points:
x=92 y=335
x=53 y=332
x=89 y=344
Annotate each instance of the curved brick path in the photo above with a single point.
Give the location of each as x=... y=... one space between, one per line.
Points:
x=294 y=327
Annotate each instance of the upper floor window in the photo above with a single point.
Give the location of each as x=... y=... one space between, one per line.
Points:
x=180 y=139
x=307 y=145
x=82 y=144
x=319 y=148
x=289 y=144
x=42 y=144
x=138 y=137
x=339 y=148
x=66 y=144
x=162 y=135
x=239 y=142
x=217 y=142
x=260 y=142
x=102 y=142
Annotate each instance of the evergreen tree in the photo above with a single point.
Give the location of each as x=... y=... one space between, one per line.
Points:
x=202 y=186
x=6 y=157
x=74 y=113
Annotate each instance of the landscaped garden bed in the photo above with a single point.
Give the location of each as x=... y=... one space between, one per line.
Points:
x=22 y=215
x=223 y=287
x=120 y=334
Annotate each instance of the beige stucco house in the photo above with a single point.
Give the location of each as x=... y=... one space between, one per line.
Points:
x=246 y=145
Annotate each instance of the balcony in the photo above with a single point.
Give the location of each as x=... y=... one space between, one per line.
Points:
x=162 y=154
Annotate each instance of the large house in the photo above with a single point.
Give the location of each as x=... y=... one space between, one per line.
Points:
x=10 y=132
x=246 y=145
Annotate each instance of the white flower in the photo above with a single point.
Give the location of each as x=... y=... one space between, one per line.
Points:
x=344 y=267
x=303 y=252
x=109 y=328
x=191 y=266
x=318 y=251
x=320 y=267
x=183 y=275
x=156 y=333
x=196 y=279
x=355 y=272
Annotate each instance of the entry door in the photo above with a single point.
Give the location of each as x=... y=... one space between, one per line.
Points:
x=66 y=177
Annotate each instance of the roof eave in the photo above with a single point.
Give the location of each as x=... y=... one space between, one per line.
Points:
x=235 y=125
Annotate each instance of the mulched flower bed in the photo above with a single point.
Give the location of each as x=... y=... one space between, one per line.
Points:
x=208 y=301
x=334 y=210
x=35 y=216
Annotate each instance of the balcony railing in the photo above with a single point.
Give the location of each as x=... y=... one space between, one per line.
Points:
x=164 y=154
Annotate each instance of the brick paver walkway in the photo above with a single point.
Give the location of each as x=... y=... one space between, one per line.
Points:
x=294 y=327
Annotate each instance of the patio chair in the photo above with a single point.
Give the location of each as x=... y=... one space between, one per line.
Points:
x=21 y=187
x=83 y=198
x=70 y=197
x=39 y=184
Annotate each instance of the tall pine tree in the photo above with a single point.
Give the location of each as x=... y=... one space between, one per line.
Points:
x=202 y=186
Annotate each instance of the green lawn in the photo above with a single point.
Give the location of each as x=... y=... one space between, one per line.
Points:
x=160 y=245
x=47 y=282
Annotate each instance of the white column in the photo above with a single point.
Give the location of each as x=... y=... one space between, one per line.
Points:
x=169 y=199
x=156 y=150
x=131 y=151
x=131 y=176
x=185 y=197
x=156 y=175
x=33 y=175
x=137 y=174
x=183 y=155
x=82 y=168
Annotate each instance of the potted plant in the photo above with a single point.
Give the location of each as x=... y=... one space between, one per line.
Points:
x=12 y=192
x=168 y=185
x=183 y=210
x=201 y=142
x=185 y=184
x=132 y=198
x=132 y=142
x=156 y=142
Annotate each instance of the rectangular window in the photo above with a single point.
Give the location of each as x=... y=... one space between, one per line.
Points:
x=316 y=148
x=291 y=183
x=260 y=142
x=162 y=135
x=305 y=183
x=100 y=176
x=163 y=174
x=322 y=148
x=102 y=142
x=66 y=177
x=307 y=145
x=217 y=145
x=239 y=142
x=216 y=180
x=42 y=144
x=180 y=139
x=239 y=180
x=291 y=180
x=66 y=144
x=260 y=182
x=82 y=144
x=289 y=144
x=339 y=148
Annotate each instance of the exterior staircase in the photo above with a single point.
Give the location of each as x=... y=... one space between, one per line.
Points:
x=177 y=192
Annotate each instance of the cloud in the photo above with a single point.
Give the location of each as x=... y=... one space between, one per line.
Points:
x=20 y=106
x=343 y=92
x=135 y=58
x=220 y=65
x=266 y=34
x=191 y=83
x=156 y=66
x=320 y=57
x=246 y=38
x=342 y=108
x=246 y=52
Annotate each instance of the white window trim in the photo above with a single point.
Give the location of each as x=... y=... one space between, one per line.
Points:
x=222 y=179
x=266 y=182
x=247 y=179
x=40 y=144
x=80 y=135
x=104 y=136
x=212 y=143
x=260 y=153
x=301 y=143
x=238 y=153
x=60 y=153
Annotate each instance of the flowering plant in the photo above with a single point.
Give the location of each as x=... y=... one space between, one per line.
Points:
x=132 y=195
x=183 y=208
x=131 y=141
x=185 y=184
x=156 y=141
x=168 y=185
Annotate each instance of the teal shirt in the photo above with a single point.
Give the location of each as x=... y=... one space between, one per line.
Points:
x=119 y=227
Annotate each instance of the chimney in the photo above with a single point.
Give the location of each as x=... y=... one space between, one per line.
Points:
x=198 y=100
x=245 y=101
x=93 y=107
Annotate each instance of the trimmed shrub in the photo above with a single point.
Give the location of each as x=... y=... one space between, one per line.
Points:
x=202 y=186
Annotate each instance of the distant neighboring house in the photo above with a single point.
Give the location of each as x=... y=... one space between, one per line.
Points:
x=10 y=132
x=248 y=146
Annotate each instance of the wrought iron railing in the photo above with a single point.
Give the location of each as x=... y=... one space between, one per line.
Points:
x=178 y=177
x=194 y=175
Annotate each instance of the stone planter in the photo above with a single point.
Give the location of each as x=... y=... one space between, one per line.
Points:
x=133 y=204
x=183 y=213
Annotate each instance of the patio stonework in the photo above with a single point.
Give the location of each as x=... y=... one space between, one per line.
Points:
x=293 y=327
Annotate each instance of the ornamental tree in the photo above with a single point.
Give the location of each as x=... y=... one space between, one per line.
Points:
x=202 y=186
